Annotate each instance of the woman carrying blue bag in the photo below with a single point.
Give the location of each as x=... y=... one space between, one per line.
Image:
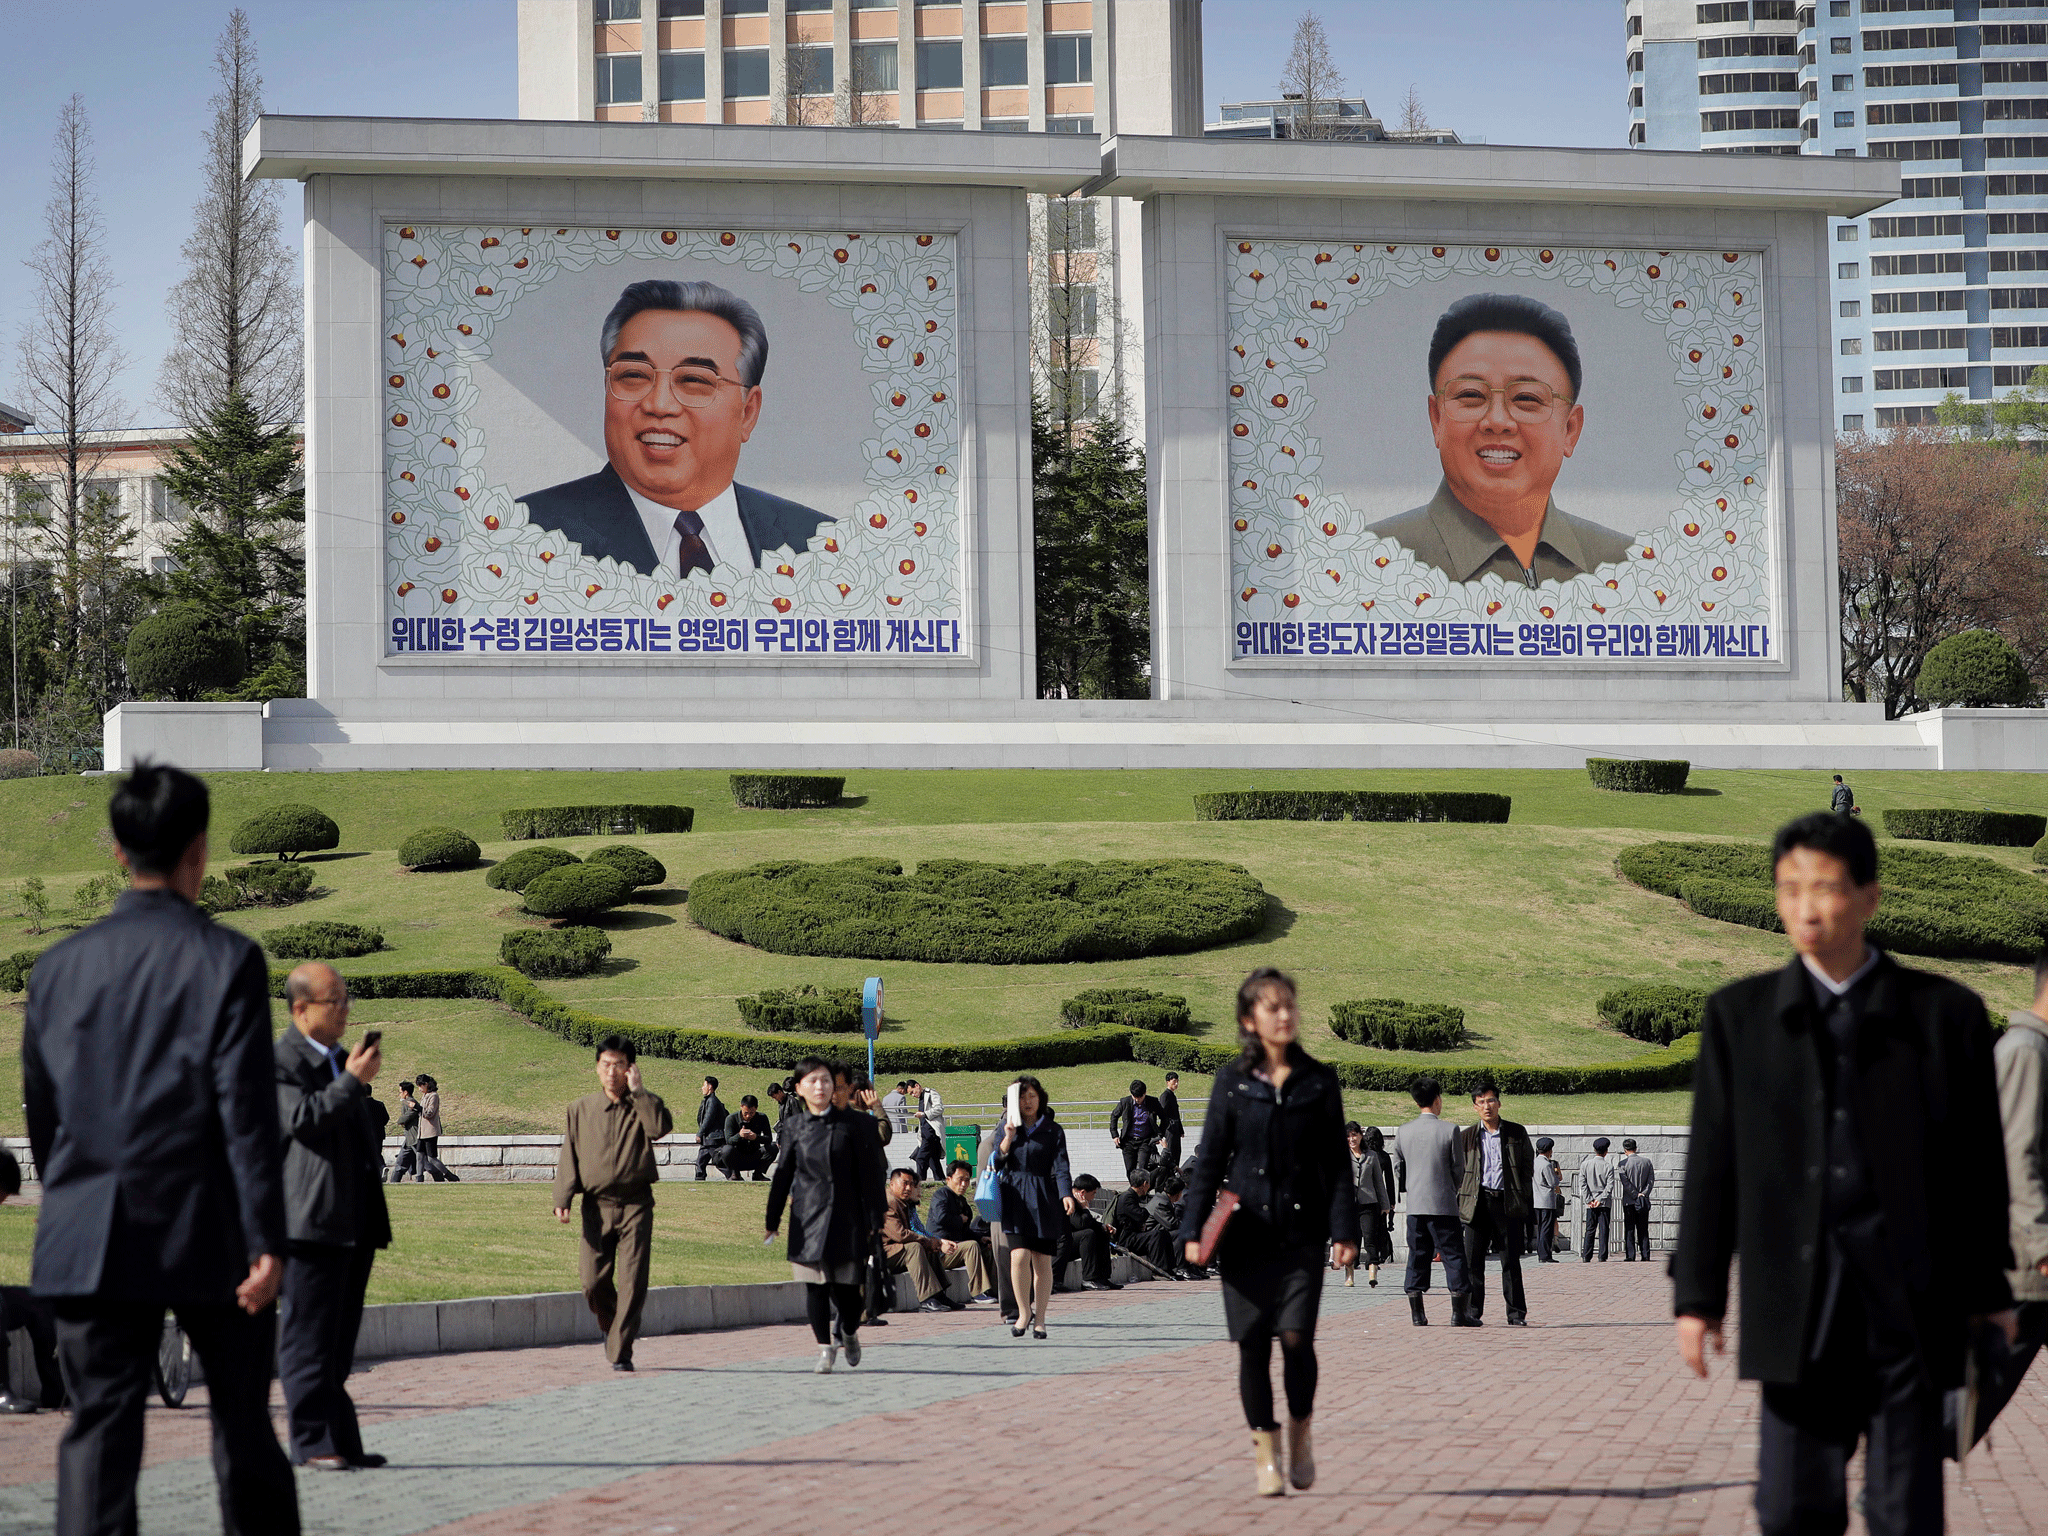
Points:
x=1037 y=1194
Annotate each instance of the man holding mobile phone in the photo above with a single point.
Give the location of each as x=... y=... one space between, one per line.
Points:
x=335 y=1217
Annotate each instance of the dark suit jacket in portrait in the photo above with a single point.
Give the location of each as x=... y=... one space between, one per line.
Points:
x=1460 y=543
x=146 y=1069
x=1517 y=1169
x=597 y=512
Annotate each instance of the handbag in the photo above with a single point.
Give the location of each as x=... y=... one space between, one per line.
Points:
x=988 y=1196
x=1212 y=1229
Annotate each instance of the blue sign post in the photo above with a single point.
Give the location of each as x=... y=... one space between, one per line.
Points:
x=871 y=1017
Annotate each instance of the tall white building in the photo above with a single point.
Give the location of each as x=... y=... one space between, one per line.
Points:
x=1944 y=291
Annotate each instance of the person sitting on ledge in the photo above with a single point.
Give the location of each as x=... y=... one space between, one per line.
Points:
x=913 y=1251
x=1084 y=1240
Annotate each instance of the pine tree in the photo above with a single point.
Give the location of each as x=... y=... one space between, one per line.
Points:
x=1091 y=555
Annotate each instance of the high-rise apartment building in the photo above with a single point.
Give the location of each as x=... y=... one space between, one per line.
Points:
x=1021 y=66
x=1945 y=291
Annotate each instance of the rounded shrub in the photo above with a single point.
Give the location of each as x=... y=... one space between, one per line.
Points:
x=1654 y=1011
x=1132 y=1007
x=322 y=941
x=638 y=865
x=286 y=830
x=1977 y=669
x=15 y=968
x=575 y=890
x=15 y=763
x=555 y=951
x=2041 y=852
x=953 y=910
x=439 y=848
x=1995 y=829
x=1639 y=776
x=269 y=885
x=785 y=791
x=181 y=651
x=1393 y=1025
x=519 y=870
x=806 y=1009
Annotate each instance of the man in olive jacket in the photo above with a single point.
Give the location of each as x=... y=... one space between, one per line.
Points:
x=1493 y=1201
x=1845 y=1141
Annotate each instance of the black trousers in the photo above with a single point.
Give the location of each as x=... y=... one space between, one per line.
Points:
x=1154 y=1245
x=1138 y=1154
x=106 y=1348
x=1865 y=1385
x=319 y=1313
x=1488 y=1222
x=1089 y=1247
x=1635 y=1232
x=1594 y=1220
x=929 y=1160
x=18 y=1309
x=709 y=1152
x=738 y=1157
x=1436 y=1234
x=1546 y=1232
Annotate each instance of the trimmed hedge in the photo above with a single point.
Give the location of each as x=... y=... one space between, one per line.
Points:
x=594 y=820
x=439 y=848
x=1957 y=906
x=1132 y=1007
x=1654 y=1011
x=517 y=871
x=270 y=885
x=555 y=951
x=15 y=968
x=785 y=791
x=576 y=889
x=1351 y=805
x=1393 y=1025
x=638 y=865
x=322 y=941
x=809 y=1009
x=2041 y=852
x=1639 y=776
x=286 y=830
x=956 y=911
x=1994 y=829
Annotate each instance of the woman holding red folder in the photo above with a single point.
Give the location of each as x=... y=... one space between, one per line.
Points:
x=1273 y=1165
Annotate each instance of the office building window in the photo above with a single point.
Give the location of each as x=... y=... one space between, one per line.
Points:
x=1847 y=271
x=874 y=66
x=1912 y=112
x=1838 y=7
x=1006 y=125
x=1922 y=149
x=1838 y=45
x=923 y=4
x=1848 y=231
x=1070 y=224
x=1852 y=346
x=1923 y=225
x=1005 y=61
x=2004 y=337
x=1845 y=82
x=2012 y=71
x=746 y=73
x=2006 y=374
x=1845 y=119
x=2009 y=37
x=2019 y=261
x=618 y=10
x=1921 y=378
x=2012 y=223
x=1931 y=186
x=2008 y=109
x=1748 y=118
x=1923 y=301
x=2016 y=149
x=1883 y=75
x=618 y=78
x=1880 y=7
x=1908 y=415
x=1894 y=38
x=1849 y=309
x=682 y=77
x=746 y=7
x=1741 y=48
x=672 y=10
x=1744 y=84
x=1920 y=263
x=1775 y=10
x=808 y=71
x=1070 y=125
x=1069 y=60
x=1845 y=154
x=1852 y=384
x=1852 y=423
x=938 y=65
x=1951 y=339
x=873 y=5
x=1719 y=14
x=810 y=5
x=2018 y=298
x=2010 y=186
x=1075 y=391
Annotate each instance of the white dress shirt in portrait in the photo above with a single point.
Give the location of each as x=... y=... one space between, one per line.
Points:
x=725 y=536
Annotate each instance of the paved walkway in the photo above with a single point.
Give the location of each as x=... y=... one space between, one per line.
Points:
x=1125 y=1421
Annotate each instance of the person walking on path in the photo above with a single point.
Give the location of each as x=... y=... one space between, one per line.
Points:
x=830 y=1178
x=1845 y=1143
x=1493 y=1203
x=1429 y=1164
x=608 y=1158
x=151 y=1100
x=1274 y=1137
x=407 y=1160
x=1843 y=801
x=1373 y=1185
x=1596 y=1195
x=428 y=1148
x=1634 y=1177
x=1037 y=1185
x=1135 y=1127
x=1549 y=1179
x=334 y=1215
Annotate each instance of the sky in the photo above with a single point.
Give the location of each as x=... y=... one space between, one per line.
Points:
x=1506 y=71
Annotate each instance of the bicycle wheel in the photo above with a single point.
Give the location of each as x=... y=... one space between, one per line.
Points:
x=173 y=1368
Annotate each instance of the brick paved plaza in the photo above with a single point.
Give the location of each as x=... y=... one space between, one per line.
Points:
x=1125 y=1421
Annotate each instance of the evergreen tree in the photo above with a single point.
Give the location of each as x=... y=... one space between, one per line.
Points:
x=1091 y=559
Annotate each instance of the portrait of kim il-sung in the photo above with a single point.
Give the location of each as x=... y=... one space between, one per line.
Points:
x=1504 y=409
x=682 y=395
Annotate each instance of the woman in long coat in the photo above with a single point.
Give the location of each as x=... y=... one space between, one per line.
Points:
x=1038 y=1196
x=1372 y=1175
x=831 y=1175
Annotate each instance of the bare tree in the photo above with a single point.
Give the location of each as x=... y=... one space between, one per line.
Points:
x=69 y=359
x=1311 y=76
x=236 y=320
x=809 y=85
x=870 y=81
x=1077 y=330
x=1413 y=118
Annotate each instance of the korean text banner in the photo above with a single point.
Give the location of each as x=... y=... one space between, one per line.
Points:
x=682 y=443
x=1489 y=455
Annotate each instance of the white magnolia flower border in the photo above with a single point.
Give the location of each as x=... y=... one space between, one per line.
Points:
x=457 y=545
x=1301 y=553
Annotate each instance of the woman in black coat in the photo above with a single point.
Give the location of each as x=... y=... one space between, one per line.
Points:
x=1038 y=1196
x=831 y=1175
x=1274 y=1136
x=1372 y=1174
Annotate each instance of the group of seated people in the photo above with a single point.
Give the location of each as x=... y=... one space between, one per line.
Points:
x=1144 y=1221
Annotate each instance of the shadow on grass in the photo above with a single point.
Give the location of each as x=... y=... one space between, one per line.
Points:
x=660 y=898
x=316 y=858
x=616 y=966
x=620 y=921
x=1698 y=789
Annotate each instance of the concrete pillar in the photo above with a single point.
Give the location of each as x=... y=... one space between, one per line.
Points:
x=970 y=64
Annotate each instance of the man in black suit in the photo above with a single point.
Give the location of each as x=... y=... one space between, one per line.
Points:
x=1493 y=1202
x=1135 y=1126
x=146 y=1072
x=1134 y=1224
x=683 y=365
x=711 y=1119
x=749 y=1142
x=1171 y=1128
x=1085 y=1241
x=1846 y=1142
x=334 y=1209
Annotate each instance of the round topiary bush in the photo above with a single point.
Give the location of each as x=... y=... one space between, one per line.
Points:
x=952 y=910
x=1393 y=1025
x=575 y=890
x=2041 y=852
x=638 y=865
x=439 y=848
x=181 y=651
x=1654 y=1011
x=286 y=830
x=1639 y=776
x=806 y=1009
x=542 y=952
x=522 y=868
x=1977 y=669
x=1133 y=1007
x=322 y=941
x=18 y=764
x=15 y=968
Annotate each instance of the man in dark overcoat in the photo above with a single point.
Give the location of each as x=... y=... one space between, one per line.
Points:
x=1493 y=1202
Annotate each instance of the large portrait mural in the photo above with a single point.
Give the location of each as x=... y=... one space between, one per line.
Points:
x=1492 y=453
x=682 y=443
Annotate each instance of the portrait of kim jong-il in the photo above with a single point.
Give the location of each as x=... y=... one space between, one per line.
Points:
x=682 y=395
x=1504 y=380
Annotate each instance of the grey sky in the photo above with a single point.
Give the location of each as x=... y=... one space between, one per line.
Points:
x=1511 y=71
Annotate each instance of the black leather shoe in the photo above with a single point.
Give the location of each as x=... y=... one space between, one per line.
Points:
x=935 y=1304
x=369 y=1459
x=622 y=1365
x=1415 y=1312
x=1518 y=1322
x=9 y=1403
